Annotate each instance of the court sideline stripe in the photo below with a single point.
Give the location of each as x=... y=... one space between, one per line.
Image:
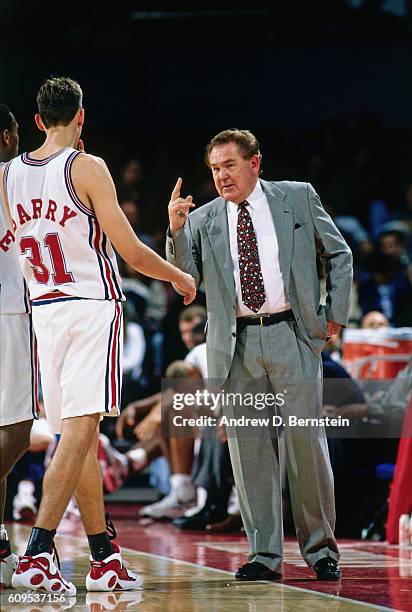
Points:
x=268 y=582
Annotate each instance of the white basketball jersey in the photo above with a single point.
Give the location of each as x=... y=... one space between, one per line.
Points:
x=60 y=243
x=13 y=289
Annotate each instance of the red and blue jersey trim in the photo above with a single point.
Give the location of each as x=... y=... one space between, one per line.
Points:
x=113 y=379
x=29 y=161
x=98 y=242
x=34 y=363
x=54 y=296
x=70 y=187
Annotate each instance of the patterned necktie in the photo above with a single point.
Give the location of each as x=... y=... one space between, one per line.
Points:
x=251 y=279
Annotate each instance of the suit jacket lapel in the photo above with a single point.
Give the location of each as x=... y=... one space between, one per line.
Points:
x=218 y=233
x=283 y=220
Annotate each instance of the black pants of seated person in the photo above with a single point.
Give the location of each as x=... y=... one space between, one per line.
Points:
x=212 y=470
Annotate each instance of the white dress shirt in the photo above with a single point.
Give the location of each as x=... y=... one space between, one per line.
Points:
x=267 y=242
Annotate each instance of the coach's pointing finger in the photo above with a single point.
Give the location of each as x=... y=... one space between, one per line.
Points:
x=178 y=208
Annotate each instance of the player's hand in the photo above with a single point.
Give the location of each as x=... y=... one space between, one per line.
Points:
x=333 y=330
x=127 y=418
x=150 y=425
x=178 y=208
x=186 y=285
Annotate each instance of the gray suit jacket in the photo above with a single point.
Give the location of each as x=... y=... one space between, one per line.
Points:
x=202 y=249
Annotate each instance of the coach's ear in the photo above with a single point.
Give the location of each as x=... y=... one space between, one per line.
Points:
x=39 y=122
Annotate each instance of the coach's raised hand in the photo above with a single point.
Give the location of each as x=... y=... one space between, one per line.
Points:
x=178 y=208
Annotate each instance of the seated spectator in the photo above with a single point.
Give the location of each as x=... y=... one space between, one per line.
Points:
x=178 y=450
x=389 y=407
x=385 y=288
x=129 y=185
x=374 y=320
x=392 y=242
x=404 y=215
x=133 y=355
x=131 y=209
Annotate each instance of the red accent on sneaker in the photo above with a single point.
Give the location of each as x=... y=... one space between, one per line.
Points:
x=99 y=568
x=40 y=563
x=36 y=579
x=112 y=581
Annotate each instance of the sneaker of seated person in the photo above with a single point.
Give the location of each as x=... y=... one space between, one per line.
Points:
x=180 y=498
x=24 y=502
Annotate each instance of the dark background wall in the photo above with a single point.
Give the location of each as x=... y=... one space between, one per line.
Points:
x=158 y=83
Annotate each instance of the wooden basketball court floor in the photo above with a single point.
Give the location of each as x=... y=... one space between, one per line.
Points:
x=193 y=571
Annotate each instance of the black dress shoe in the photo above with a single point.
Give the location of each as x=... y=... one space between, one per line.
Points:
x=256 y=571
x=198 y=521
x=327 y=569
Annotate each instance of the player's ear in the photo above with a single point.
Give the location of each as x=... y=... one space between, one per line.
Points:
x=39 y=122
x=4 y=138
x=80 y=117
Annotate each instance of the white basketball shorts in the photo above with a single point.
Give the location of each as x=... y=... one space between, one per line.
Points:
x=80 y=345
x=18 y=369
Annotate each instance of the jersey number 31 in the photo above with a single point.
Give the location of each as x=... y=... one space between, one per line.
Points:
x=40 y=271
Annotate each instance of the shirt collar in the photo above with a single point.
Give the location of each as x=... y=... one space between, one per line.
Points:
x=254 y=198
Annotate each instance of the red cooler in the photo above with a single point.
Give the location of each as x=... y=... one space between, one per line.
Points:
x=376 y=353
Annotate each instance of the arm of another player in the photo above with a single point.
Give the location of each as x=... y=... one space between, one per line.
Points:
x=95 y=187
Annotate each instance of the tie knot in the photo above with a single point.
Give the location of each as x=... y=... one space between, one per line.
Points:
x=243 y=204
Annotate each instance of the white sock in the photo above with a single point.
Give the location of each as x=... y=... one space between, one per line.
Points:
x=182 y=486
x=180 y=481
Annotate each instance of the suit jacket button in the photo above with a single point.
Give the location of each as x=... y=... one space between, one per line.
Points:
x=234 y=334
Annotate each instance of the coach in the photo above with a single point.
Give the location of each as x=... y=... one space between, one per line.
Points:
x=255 y=249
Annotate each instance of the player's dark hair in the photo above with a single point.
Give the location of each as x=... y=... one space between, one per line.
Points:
x=247 y=143
x=6 y=118
x=58 y=100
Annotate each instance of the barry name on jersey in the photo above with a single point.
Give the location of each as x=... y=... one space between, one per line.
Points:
x=38 y=210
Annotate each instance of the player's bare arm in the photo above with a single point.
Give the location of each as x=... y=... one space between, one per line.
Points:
x=95 y=188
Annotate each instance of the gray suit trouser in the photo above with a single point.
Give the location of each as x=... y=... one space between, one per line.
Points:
x=278 y=356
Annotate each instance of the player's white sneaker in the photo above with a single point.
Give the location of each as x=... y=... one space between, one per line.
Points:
x=7 y=566
x=111 y=574
x=39 y=572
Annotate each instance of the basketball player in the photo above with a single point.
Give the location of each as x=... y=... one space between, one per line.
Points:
x=18 y=363
x=65 y=215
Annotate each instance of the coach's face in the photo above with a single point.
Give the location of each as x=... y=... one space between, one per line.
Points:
x=234 y=176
